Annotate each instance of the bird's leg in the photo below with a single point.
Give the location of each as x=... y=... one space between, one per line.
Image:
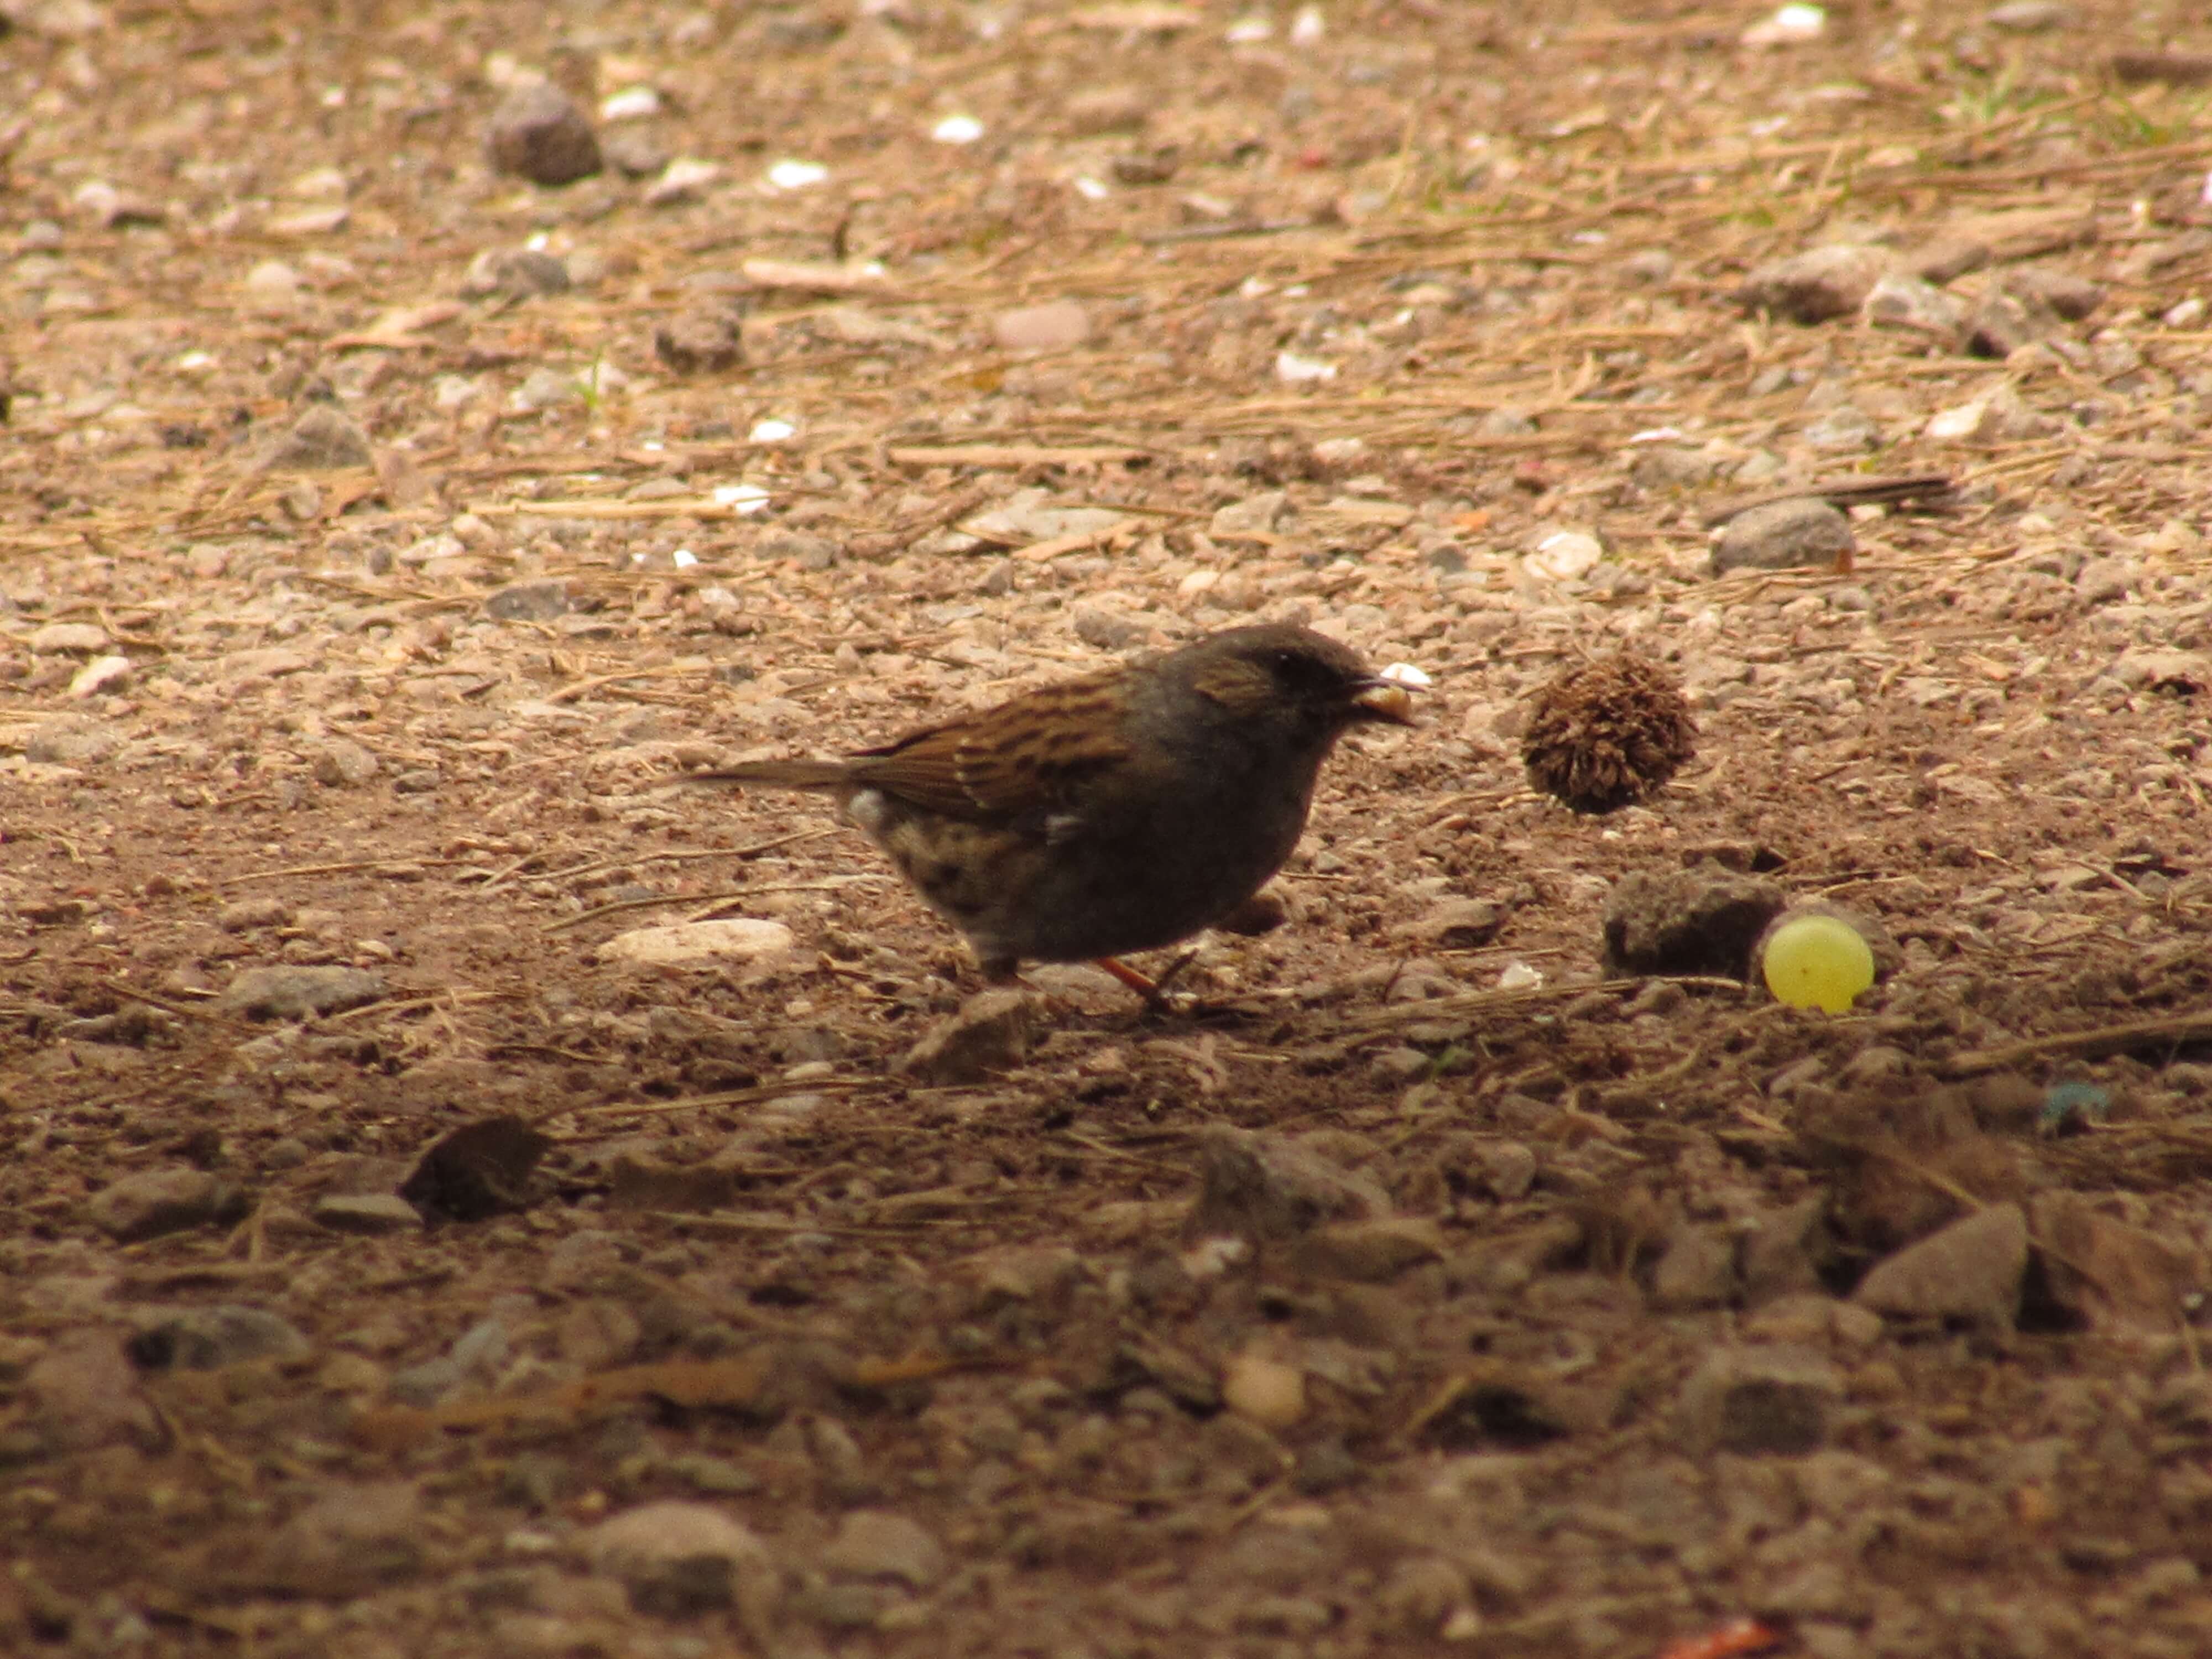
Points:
x=1143 y=984
x=1154 y=991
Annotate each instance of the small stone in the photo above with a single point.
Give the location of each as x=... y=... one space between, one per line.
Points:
x=992 y=1032
x=1370 y=1252
x=695 y=942
x=1026 y=1272
x=686 y=178
x=1326 y=1466
x=1696 y=1269
x=1155 y=165
x=1106 y=110
x=340 y=763
x=1949 y=255
x=1755 y=1402
x=1813 y=287
x=208 y=1338
x=1970 y=1271
x=271 y=287
x=347 y=1541
x=518 y=273
x=2030 y=16
x=2068 y=297
x=370 y=1214
x=532 y=601
x=2110 y=1275
x=1422 y=1592
x=2000 y=417
x=323 y=438
x=156 y=1201
x=1260 y=514
x=1788 y=1251
x=700 y=342
x=244 y=916
x=100 y=675
x=70 y=740
x=634 y=153
x=878 y=1544
x=1507 y=1169
x=298 y=992
x=1264 y=1391
x=1700 y=921
x=83 y=1393
x=541 y=133
x=70 y=639
x=1783 y=536
x=1673 y=466
x=1456 y=924
x=1845 y=427
x=2106 y=581
x=1105 y=628
x=1263 y=1186
x=677 y=1559
x=1055 y=325
x=1563 y=555
x=1916 y=307
x=2182 y=672
x=545 y=387
x=2004 y=323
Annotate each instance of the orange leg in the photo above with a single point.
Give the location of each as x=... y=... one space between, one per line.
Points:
x=1142 y=984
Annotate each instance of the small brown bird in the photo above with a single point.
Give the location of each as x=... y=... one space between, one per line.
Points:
x=1119 y=812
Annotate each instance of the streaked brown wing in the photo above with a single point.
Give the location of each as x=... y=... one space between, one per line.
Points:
x=1029 y=758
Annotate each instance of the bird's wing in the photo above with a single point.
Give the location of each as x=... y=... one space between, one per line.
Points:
x=1028 y=761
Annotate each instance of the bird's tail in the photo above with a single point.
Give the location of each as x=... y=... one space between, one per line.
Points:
x=780 y=774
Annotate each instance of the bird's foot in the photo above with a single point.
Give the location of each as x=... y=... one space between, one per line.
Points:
x=1155 y=992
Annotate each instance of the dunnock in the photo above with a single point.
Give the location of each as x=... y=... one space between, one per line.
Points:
x=1119 y=812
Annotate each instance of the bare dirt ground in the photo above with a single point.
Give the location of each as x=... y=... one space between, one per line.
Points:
x=369 y=569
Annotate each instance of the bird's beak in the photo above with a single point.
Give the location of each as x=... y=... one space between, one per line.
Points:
x=1389 y=701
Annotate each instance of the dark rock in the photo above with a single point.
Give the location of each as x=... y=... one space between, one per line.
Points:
x=1816 y=285
x=1262 y=1186
x=208 y=1338
x=367 y=1213
x=2108 y=1275
x=877 y=1544
x=1754 y=1402
x=1786 y=536
x=2002 y=323
x=1969 y=1271
x=346 y=1542
x=634 y=153
x=518 y=273
x=2067 y=297
x=542 y=134
x=701 y=342
x=298 y=993
x=992 y=1032
x=1696 y=1269
x=1367 y=1252
x=1703 y=920
x=323 y=438
x=156 y=1201
x=84 y=1394
x=532 y=601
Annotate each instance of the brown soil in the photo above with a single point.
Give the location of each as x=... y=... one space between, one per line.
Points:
x=1539 y=1321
